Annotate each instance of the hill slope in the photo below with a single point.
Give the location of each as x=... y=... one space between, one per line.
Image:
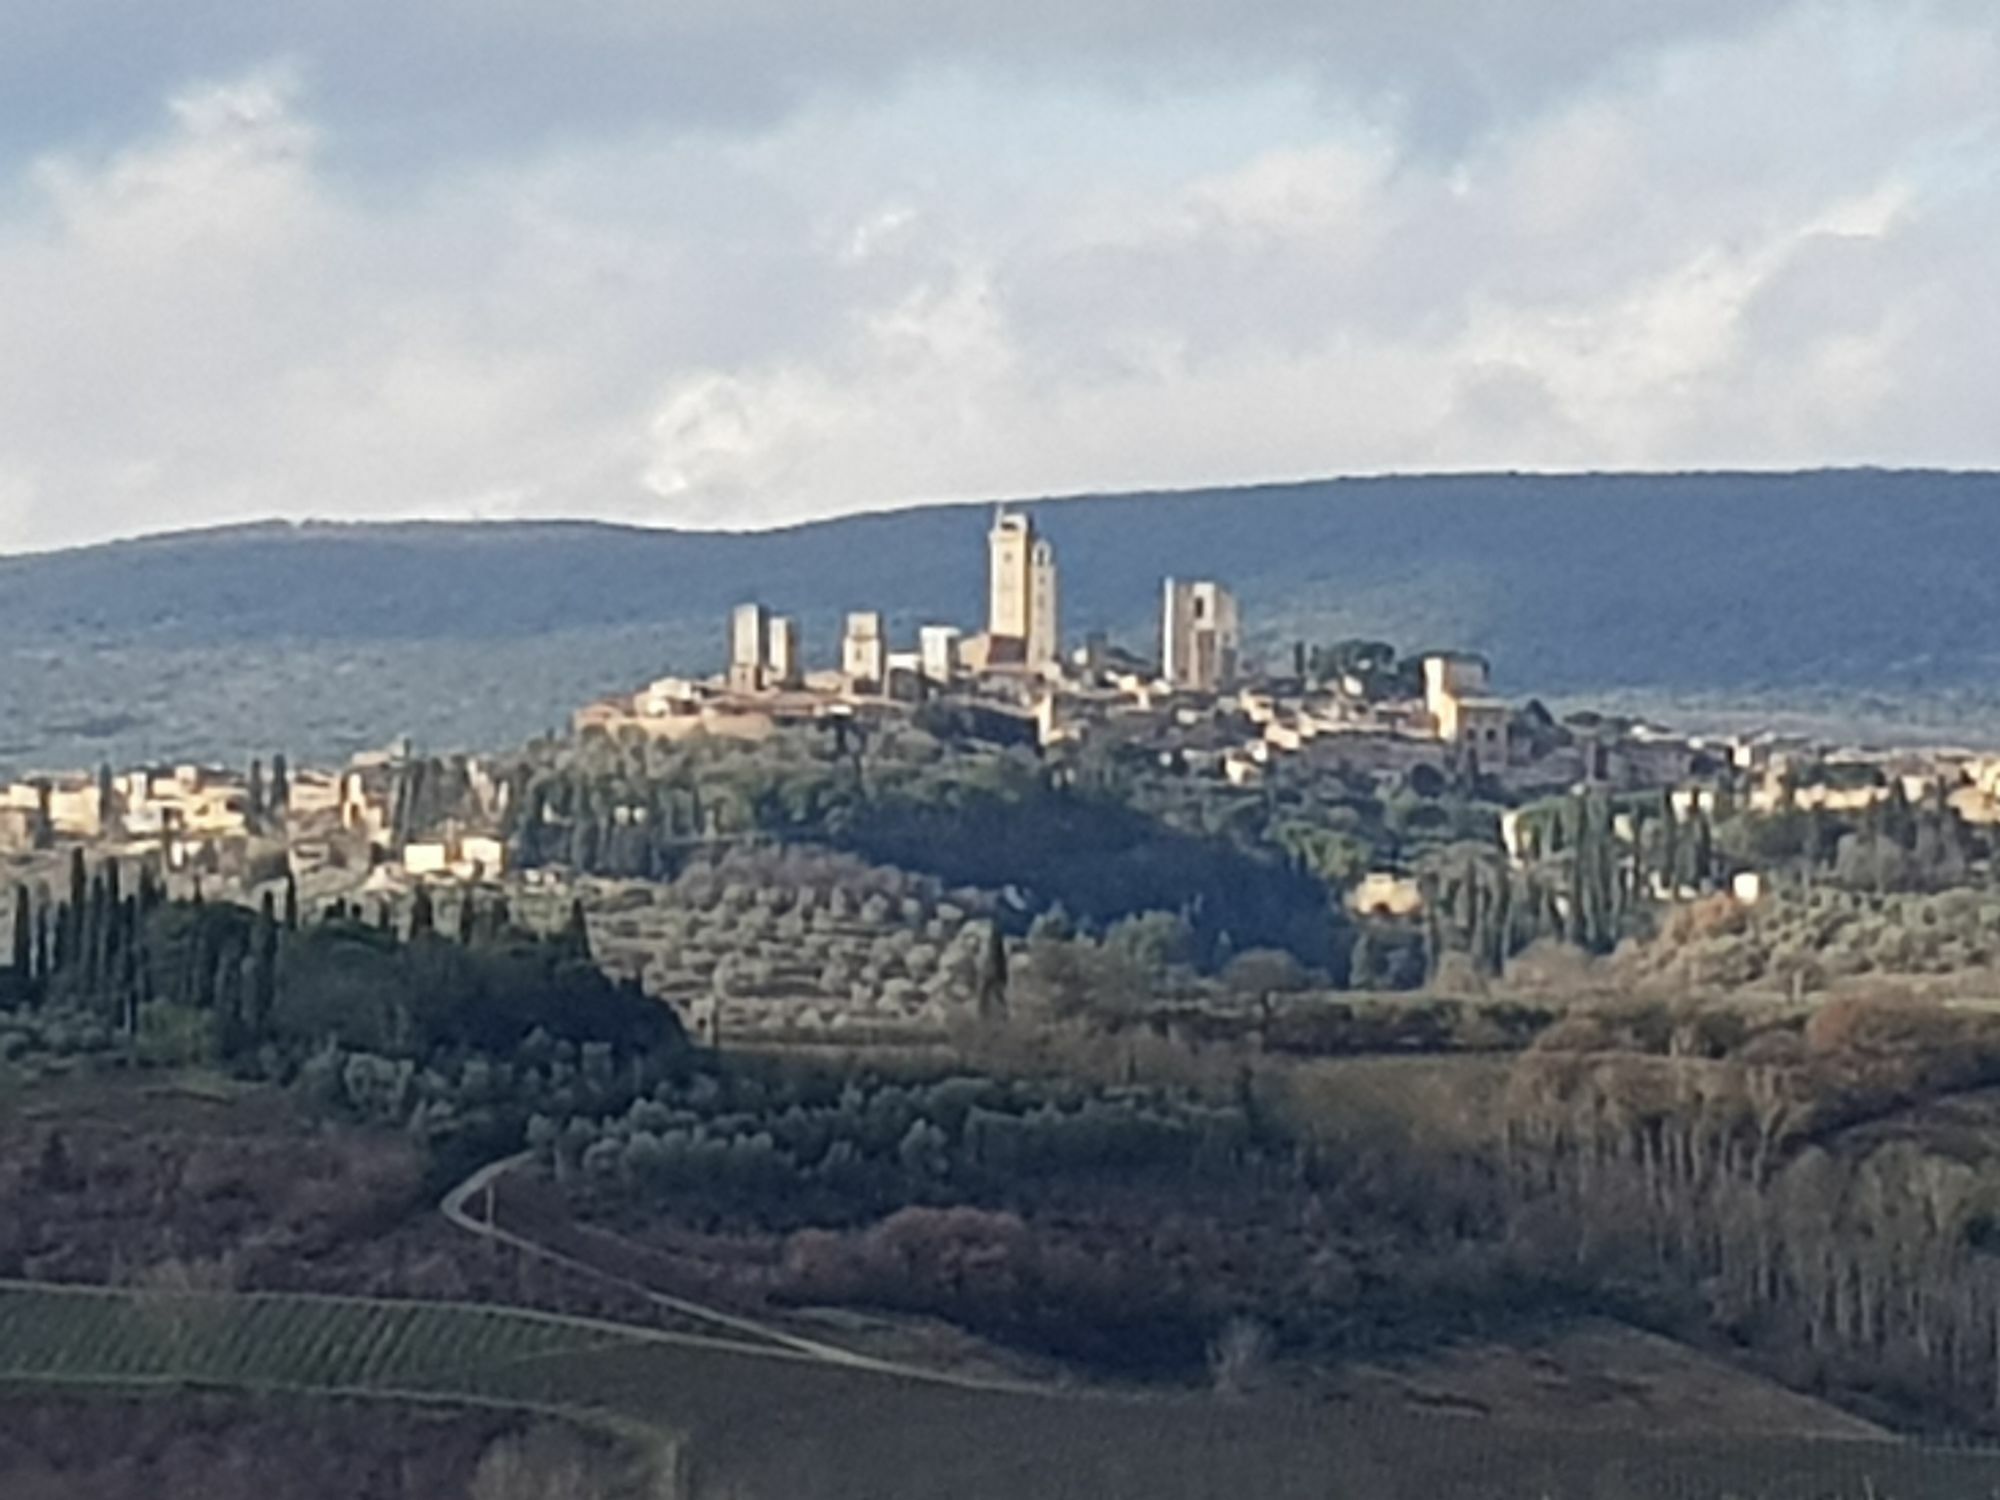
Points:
x=1864 y=597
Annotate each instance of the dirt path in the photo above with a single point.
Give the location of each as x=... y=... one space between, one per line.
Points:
x=470 y=1207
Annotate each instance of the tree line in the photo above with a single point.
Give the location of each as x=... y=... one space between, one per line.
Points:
x=261 y=986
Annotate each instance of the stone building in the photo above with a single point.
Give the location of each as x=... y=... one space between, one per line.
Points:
x=938 y=648
x=1455 y=698
x=764 y=651
x=1021 y=603
x=864 y=652
x=1200 y=636
x=784 y=665
x=749 y=647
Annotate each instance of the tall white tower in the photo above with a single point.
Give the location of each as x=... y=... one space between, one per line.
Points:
x=749 y=646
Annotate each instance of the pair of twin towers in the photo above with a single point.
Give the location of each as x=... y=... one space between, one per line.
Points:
x=1023 y=622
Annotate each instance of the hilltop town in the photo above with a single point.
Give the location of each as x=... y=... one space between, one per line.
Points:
x=1186 y=1009
x=1195 y=699
x=1370 y=766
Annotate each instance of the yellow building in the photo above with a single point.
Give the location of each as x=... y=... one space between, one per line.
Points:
x=1454 y=689
x=72 y=803
x=1449 y=675
x=1386 y=894
x=482 y=856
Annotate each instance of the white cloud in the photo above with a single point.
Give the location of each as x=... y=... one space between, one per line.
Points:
x=1761 y=245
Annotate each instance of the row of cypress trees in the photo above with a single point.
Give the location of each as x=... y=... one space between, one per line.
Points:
x=110 y=953
x=86 y=945
x=95 y=948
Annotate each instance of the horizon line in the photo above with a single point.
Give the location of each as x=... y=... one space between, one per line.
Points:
x=277 y=523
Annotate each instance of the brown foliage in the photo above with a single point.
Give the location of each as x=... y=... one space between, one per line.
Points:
x=1869 y=1024
x=269 y=1198
x=1101 y=1296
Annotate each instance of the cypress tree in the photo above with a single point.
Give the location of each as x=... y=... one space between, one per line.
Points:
x=1704 y=852
x=42 y=955
x=69 y=947
x=1433 y=929
x=45 y=827
x=291 y=903
x=233 y=1031
x=279 y=802
x=576 y=933
x=63 y=946
x=1670 y=836
x=117 y=933
x=1478 y=939
x=1503 y=921
x=423 y=917
x=203 y=956
x=583 y=845
x=128 y=995
x=24 y=936
x=262 y=996
x=468 y=920
x=1592 y=875
x=1899 y=821
x=1364 y=965
x=132 y=939
x=993 y=974
x=96 y=922
x=254 y=793
x=1578 y=927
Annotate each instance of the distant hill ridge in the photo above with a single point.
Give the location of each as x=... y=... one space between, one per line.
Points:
x=1869 y=594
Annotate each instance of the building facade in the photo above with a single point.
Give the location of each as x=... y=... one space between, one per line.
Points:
x=1022 y=601
x=864 y=653
x=938 y=647
x=749 y=646
x=784 y=666
x=1200 y=636
x=1449 y=675
x=1455 y=698
x=763 y=651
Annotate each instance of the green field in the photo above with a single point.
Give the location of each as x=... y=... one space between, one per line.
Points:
x=762 y=1425
x=279 y=1341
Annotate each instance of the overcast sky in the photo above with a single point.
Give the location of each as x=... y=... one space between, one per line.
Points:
x=735 y=262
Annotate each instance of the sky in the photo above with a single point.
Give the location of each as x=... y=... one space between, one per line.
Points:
x=744 y=262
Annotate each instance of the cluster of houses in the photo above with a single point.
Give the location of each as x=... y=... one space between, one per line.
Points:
x=207 y=820
x=1198 y=704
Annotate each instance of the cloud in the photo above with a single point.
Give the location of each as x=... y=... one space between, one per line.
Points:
x=1759 y=238
x=456 y=75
